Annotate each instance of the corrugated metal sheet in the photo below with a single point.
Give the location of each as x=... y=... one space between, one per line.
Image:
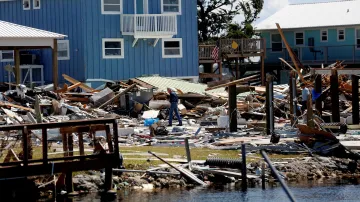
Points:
x=11 y=30
x=162 y=83
x=327 y=14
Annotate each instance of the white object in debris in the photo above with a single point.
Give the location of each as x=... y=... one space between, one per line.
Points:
x=182 y=109
x=156 y=104
x=349 y=120
x=126 y=131
x=148 y=186
x=223 y=121
x=150 y=114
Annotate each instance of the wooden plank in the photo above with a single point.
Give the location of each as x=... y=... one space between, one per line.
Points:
x=334 y=89
x=81 y=144
x=6 y=104
x=55 y=67
x=230 y=174
x=233 y=82
x=74 y=82
x=292 y=56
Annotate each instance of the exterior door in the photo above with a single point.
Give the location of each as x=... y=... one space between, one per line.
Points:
x=142 y=6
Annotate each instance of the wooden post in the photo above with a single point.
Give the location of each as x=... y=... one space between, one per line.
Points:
x=44 y=146
x=109 y=139
x=55 y=64
x=17 y=66
x=81 y=144
x=108 y=178
x=263 y=81
x=269 y=105
x=318 y=89
x=292 y=117
x=70 y=144
x=65 y=144
x=69 y=181
x=37 y=109
x=355 y=99
x=116 y=141
x=309 y=114
x=220 y=69
x=25 y=146
x=237 y=67
x=263 y=175
x=334 y=89
x=187 y=148
x=243 y=169
x=232 y=108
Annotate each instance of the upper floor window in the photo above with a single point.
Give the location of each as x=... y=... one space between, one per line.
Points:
x=63 y=50
x=36 y=4
x=299 y=38
x=323 y=35
x=7 y=56
x=276 y=43
x=341 y=34
x=172 y=48
x=111 y=6
x=113 y=48
x=171 y=6
x=26 y=4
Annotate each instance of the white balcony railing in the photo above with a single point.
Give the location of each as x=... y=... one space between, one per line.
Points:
x=149 y=25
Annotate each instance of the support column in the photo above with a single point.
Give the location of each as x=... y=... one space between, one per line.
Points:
x=355 y=99
x=17 y=66
x=55 y=64
x=232 y=108
x=269 y=105
x=318 y=89
x=263 y=81
x=334 y=89
x=292 y=112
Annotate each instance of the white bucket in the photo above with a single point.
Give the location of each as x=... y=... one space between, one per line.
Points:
x=223 y=121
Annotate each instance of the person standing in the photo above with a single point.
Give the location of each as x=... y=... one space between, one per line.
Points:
x=174 y=107
x=305 y=95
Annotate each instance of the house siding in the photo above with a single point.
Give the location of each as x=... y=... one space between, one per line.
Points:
x=336 y=50
x=85 y=26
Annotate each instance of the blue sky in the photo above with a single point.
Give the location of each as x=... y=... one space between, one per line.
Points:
x=271 y=6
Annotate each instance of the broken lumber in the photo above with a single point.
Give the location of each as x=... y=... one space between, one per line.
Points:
x=232 y=82
x=75 y=82
x=118 y=95
x=6 y=104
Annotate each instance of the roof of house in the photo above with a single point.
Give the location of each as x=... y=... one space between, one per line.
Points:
x=162 y=83
x=313 y=15
x=11 y=30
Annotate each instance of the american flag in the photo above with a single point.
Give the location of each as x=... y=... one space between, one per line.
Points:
x=215 y=52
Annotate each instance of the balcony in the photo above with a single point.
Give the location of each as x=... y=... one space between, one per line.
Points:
x=149 y=25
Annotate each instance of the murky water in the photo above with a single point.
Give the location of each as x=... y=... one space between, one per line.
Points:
x=232 y=192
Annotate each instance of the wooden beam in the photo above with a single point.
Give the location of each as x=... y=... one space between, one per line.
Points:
x=17 y=66
x=23 y=47
x=44 y=146
x=310 y=115
x=269 y=105
x=6 y=104
x=334 y=89
x=233 y=82
x=292 y=56
x=232 y=108
x=55 y=64
x=74 y=81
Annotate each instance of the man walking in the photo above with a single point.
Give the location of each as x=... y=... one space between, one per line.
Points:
x=174 y=107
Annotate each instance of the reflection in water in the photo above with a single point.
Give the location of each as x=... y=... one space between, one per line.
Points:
x=232 y=192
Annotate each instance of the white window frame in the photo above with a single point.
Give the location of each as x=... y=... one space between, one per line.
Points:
x=321 y=35
x=104 y=40
x=23 y=4
x=172 y=56
x=162 y=8
x=299 y=32
x=6 y=60
x=271 y=42
x=112 y=12
x=34 y=4
x=338 y=34
x=356 y=38
x=68 y=49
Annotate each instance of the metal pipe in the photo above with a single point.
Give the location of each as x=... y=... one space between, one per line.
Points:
x=145 y=171
x=283 y=184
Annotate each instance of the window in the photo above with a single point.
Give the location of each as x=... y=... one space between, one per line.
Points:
x=111 y=6
x=36 y=4
x=171 y=6
x=26 y=4
x=113 y=48
x=63 y=50
x=7 y=56
x=276 y=43
x=172 y=48
x=323 y=35
x=341 y=34
x=299 y=38
x=357 y=37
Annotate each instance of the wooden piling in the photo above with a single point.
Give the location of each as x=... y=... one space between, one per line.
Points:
x=81 y=144
x=318 y=89
x=108 y=179
x=355 y=99
x=310 y=114
x=243 y=169
x=334 y=89
x=44 y=146
x=263 y=175
x=187 y=148
x=232 y=108
x=25 y=146
x=68 y=178
x=269 y=105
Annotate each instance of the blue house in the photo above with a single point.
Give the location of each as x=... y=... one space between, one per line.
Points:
x=109 y=39
x=319 y=33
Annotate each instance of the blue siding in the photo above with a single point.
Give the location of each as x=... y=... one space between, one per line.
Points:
x=85 y=26
x=336 y=50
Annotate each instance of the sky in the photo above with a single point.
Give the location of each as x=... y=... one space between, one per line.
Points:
x=271 y=6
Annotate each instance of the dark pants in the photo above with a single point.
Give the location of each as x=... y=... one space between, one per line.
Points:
x=304 y=105
x=174 y=108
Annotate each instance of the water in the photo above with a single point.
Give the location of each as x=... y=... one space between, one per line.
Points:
x=232 y=192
